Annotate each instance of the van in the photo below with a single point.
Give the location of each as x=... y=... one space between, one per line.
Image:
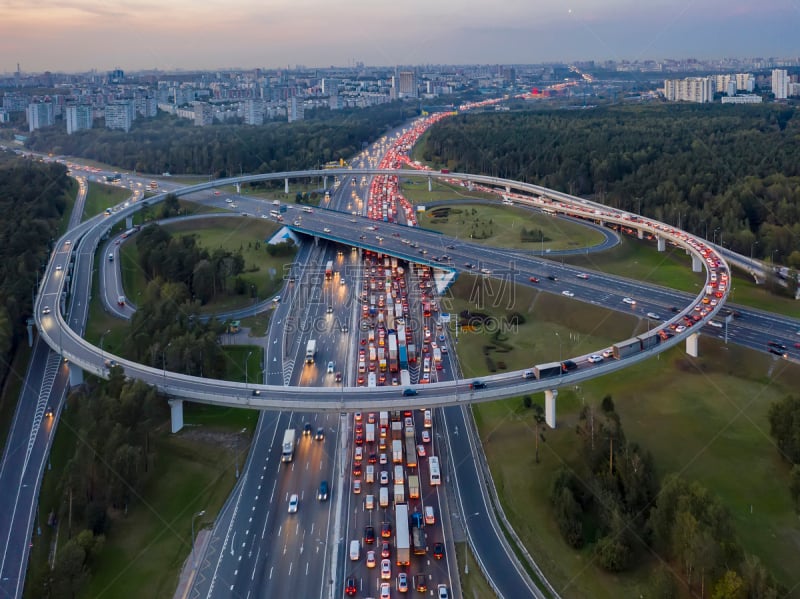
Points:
x=429 y=516
x=355 y=550
x=398 y=475
x=370 y=473
x=383 y=498
x=111 y=257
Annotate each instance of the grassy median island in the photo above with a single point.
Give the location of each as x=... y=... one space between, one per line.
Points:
x=704 y=418
x=100 y=196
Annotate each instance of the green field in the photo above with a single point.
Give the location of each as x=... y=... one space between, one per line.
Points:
x=416 y=191
x=704 y=418
x=100 y=197
x=501 y=226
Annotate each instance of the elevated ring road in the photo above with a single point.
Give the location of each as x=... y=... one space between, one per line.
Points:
x=349 y=230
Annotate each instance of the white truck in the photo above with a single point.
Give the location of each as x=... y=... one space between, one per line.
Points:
x=405 y=378
x=397 y=451
x=370 y=432
x=311 y=351
x=287 y=447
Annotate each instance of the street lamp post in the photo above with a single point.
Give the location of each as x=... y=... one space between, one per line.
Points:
x=247 y=359
x=103 y=338
x=237 y=451
x=560 y=355
x=715 y=234
x=194 y=556
x=752 y=245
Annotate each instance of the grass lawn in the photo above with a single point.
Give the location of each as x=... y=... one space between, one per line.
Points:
x=705 y=418
x=416 y=191
x=235 y=356
x=473 y=583
x=501 y=226
x=100 y=196
x=100 y=321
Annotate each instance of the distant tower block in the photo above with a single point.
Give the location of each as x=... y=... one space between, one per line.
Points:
x=550 y=396
x=691 y=345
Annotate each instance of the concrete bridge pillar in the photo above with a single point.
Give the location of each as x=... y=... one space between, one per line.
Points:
x=640 y=233
x=75 y=375
x=286 y=186
x=550 y=396
x=316 y=241
x=691 y=344
x=508 y=189
x=324 y=181
x=176 y=413
x=129 y=222
x=430 y=183
x=662 y=244
x=697 y=264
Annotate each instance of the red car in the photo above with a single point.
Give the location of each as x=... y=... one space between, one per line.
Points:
x=534 y=280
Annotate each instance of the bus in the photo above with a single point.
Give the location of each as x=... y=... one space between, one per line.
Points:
x=433 y=465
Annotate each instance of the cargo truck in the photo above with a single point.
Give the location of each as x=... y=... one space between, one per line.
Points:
x=287 y=448
x=412 y=353
x=311 y=351
x=413 y=486
x=402 y=361
x=399 y=493
x=411 y=452
x=402 y=538
x=405 y=378
x=543 y=371
x=329 y=270
x=397 y=451
x=383 y=419
x=370 y=432
x=397 y=429
x=392 y=352
x=382 y=359
x=627 y=348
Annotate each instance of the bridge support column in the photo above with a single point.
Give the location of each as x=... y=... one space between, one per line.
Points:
x=176 y=413
x=640 y=233
x=697 y=264
x=550 y=396
x=316 y=241
x=430 y=183
x=75 y=375
x=691 y=344
x=662 y=244
x=508 y=189
x=286 y=186
x=129 y=222
x=324 y=181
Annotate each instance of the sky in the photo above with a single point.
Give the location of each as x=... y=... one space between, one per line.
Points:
x=79 y=35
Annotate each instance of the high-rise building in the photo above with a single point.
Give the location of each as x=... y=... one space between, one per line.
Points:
x=296 y=110
x=745 y=82
x=146 y=106
x=78 y=117
x=120 y=114
x=408 y=84
x=691 y=89
x=203 y=114
x=780 y=84
x=40 y=114
x=253 y=112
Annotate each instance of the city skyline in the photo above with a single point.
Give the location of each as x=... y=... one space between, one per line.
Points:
x=88 y=34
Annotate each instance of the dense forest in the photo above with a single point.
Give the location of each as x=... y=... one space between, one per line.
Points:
x=33 y=198
x=170 y=144
x=704 y=167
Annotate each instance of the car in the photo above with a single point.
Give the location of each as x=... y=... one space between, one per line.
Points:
x=421 y=451
x=350 y=586
x=402 y=582
x=369 y=502
x=386 y=530
x=48 y=413
x=568 y=365
x=386 y=569
x=477 y=385
x=715 y=324
x=409 y=392
x=441 y=592
x=430 y=518
x=582 y=275
x=595 y=359
x=384 y=477
x=371 y=559
x=680 y=328
x=426 y=436
x=357 y=469
x=777 y=352
x=320 y=434
x=357 y=486
x=552 y=277
x=369 y=535
x=386 y=592
x=420 y=584
x=326 y=230
x=307 y=429
x=608 y=353
x=383 y=459
x=438 y=550
x=386 y=549
x=322 y=493
x=372 y=459
x=533 y=280
x=46 y=310
x=67 y=242
x=359 y=454
x=629 y=301
x=294 y=501
x=329 y=310
x=674 y=309
x=653 y=315
x=567 y=293
x=330 y=367
x=58 y=267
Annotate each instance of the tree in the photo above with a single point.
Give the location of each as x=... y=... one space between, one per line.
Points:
x=612 y=554
x=730 y=586
x=539 y=420
x=794 y=486
x=784 y=425
x=70 y=572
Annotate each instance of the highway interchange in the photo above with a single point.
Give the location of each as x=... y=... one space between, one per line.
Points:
x=309 y=541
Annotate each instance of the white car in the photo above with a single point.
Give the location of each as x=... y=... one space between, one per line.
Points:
x=330 y=367
x=384 y=477
x=386 y=569
x=46 y=310
x=386 y=592
x=441 y=592
x=653 y=315
x=629 y=301
x=383 y=459
x=294 y=501
x=595 y=359
x=680 y=328
x=715 y=324
x=369 y=502
x=567 y=293
x=58 y=267
x=370 y=559
x=608 y=353
x=326 y=230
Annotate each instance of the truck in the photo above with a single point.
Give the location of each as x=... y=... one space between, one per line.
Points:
x=413 y=486
x=411 y=452
x=623 y=349
x=405 y=378
x=402 y=361
x=412 y=353
x=397 y=451
x=311 y=351
x=329 y=270
x=370 y=432
x=399 y=493
x=382 y=359
x=383 y=419
x=287 y=447
x=437 y=355
x=393 y=352
x=402 y=538
x=397 y=430
x=543 y=371
x=372 y=380
x=419 y=540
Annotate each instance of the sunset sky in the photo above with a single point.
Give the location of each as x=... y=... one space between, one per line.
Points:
x=78 y=35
